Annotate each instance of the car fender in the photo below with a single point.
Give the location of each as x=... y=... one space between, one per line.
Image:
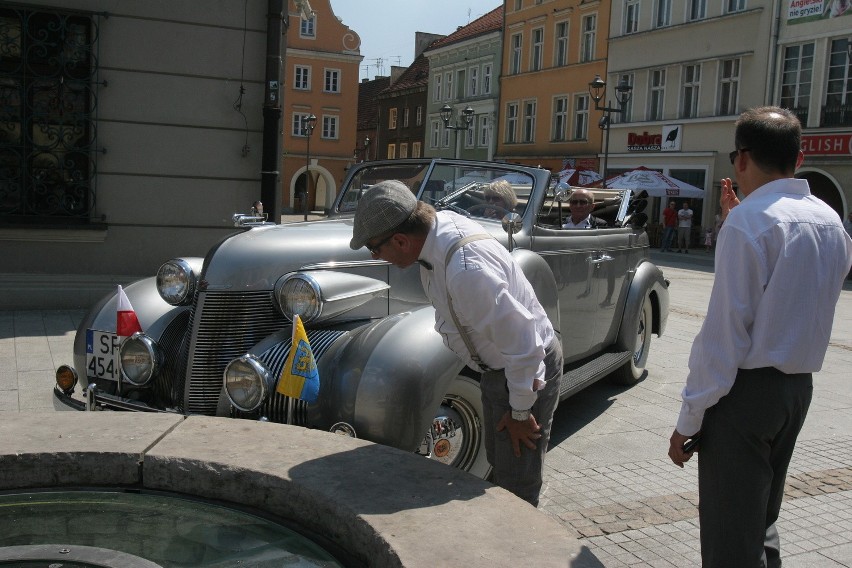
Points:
x=541 y=277
x=153 y=312
x=648 y=281
x=386 y=378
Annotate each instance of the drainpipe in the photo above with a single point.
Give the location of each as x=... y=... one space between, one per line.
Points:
x=270 y=187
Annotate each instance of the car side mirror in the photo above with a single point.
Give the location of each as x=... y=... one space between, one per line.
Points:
x=512 y=223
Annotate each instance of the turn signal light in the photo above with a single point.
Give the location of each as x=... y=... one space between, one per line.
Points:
x=66 y=378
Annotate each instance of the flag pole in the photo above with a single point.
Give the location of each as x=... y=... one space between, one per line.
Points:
x=291 y=402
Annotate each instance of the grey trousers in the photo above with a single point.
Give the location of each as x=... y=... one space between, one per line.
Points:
x=522 y=476
x=747 y=440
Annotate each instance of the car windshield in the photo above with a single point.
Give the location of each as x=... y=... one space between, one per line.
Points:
x=488 y=192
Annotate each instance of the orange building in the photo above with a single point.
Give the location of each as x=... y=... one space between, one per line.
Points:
x=320 y=79
x=552 y=50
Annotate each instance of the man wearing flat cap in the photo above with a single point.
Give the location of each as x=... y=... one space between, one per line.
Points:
x=488 y=314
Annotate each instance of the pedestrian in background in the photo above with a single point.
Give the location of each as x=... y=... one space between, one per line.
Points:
x=488 y=314
x=782 y=258
x=669 y=226
x=684 y=226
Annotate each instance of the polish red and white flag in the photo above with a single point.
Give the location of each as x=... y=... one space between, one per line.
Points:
x=126 y=323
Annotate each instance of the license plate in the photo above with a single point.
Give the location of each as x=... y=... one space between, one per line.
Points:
x=101 y=354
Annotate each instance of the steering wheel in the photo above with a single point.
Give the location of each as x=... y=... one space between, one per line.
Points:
x=482 y=207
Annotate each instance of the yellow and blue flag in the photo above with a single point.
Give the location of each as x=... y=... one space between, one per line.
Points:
x=299 y=377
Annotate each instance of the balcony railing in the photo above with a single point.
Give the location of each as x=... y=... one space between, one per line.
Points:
x=801 y=113
x=836 y=115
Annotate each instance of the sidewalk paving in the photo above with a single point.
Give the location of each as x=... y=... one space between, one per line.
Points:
x=608 y=478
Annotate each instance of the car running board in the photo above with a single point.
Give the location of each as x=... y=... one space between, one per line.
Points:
x=597 y=368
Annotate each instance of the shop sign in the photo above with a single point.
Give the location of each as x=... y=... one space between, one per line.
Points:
x=667 y=141
x=827 y=144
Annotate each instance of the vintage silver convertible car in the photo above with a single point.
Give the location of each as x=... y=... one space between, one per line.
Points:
x=217 y=330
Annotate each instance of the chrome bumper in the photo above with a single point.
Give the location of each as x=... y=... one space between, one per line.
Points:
x=96 y=400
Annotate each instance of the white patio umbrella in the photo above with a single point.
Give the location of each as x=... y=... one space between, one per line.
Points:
x=581 y=178
x=655 y=183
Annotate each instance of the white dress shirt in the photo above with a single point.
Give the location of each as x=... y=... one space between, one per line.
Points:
x=493 y=300
x=583 y=224
x=782 y=255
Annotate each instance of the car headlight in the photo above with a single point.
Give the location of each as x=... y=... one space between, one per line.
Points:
x=246 y=382
x=299 y=294
x=176 y=280
x=139 y=358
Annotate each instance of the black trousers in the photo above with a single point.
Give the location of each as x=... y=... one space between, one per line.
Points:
x=747 y=440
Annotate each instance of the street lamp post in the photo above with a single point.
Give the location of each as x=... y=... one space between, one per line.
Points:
x=308 y=124
x=365 y=148
x=623 y=92
x=464 y=124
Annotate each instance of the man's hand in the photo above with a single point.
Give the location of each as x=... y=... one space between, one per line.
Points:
x=526 y=431
x=728 y=200
x=676 y=449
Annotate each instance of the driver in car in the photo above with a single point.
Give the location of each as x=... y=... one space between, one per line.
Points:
x=582 y=203
x=500 y=199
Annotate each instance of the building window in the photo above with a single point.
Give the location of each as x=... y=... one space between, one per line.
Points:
x=729 y=82
x=403 y=150
x=436 y=91
x=631 y=16
x=391 y=151
x=517 y=44
x=48 y=99
x=392 y=119
x=332 y=81
x=838 y=92
x=518 y=4
x=560 y=118
x=418 y=116
x=448 y=85
x=796 y=79
x=511 y=123
x=405 y=114
x=736 y=5
x=329 y=127
x=483 y=130
x=664 y=13
x=435 y=137
x=298 y=122
x=470 y=135
x=529 y=121
x=587 y=47
x=657 y=96
x=307 y=27
x=537 y=49
x=560 y=57
x=473 y=80
x=691 y=90
x=302 y=81
x=415 y=149
x=696 y=9
x=581 y=117
x=486 y=79
x=445 y=137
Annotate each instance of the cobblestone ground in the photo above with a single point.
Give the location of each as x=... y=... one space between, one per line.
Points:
x=610 y=482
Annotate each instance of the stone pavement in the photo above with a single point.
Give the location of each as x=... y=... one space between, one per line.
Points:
x=608 y=477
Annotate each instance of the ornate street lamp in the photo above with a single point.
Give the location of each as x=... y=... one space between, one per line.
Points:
x=308 y=124
x=463 y=124
x=623 y=92
x=365 y=148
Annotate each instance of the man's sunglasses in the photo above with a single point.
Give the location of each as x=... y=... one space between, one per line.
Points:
x=578 y=202
x=733 y=155
x=374 y=249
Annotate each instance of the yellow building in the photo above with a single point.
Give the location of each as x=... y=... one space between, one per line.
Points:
x=552 y=50
x=321 y=80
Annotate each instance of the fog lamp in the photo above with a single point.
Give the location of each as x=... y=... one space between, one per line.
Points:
x=246 y=382
x=66 y=378
x=139 y=357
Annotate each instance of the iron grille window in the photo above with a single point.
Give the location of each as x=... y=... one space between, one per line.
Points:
x=48 y=97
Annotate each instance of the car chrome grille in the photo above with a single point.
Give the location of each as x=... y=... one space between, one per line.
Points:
x=225 y=325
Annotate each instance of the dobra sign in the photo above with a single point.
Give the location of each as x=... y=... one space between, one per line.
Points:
x=667 y=141
x=827 y=144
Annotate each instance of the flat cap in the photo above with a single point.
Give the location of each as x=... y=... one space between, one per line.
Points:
x=382 y=208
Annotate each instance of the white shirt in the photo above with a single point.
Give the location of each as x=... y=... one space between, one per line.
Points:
x=584 y=224
x=782 y=257
x=684 y=217
x=492 y=299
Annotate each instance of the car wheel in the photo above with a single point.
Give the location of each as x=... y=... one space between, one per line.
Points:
x=456 y=434
x=634 y=370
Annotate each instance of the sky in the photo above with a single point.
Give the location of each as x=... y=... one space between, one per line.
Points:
x=387 y=27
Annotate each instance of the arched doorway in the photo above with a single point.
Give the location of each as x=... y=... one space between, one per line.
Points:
x=825 y=188
x=321 y=189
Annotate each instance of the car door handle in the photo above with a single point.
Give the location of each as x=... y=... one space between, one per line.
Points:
x=597 y=260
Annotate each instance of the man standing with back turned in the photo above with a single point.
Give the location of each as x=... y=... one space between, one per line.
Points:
x=782 y=256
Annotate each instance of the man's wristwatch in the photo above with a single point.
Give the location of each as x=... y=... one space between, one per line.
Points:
x=521 y=415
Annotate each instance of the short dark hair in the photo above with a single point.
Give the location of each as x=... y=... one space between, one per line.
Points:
x=773 y=137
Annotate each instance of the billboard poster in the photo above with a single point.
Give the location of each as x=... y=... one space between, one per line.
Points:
x=801 y=11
